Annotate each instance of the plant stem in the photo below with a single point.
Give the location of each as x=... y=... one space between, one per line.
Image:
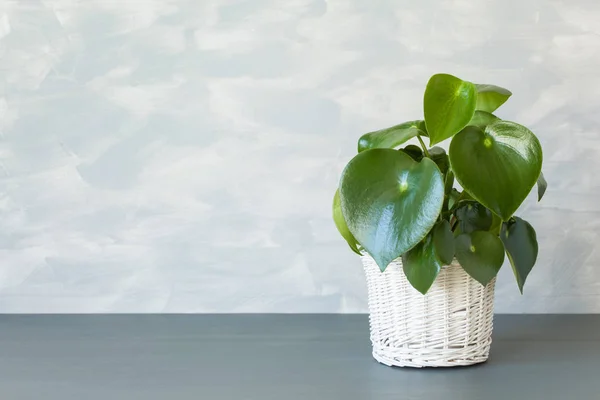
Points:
x=446 y=201
x=423 y=146
x=499 y=229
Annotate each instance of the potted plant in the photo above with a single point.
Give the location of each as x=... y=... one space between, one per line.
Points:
x=431 y=251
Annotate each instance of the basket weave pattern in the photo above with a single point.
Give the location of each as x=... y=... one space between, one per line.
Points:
x=449 y=326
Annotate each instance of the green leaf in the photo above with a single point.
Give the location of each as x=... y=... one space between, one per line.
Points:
x=465 y=196
x=490 y=97
x=473 y=216
x=391 y=137
x=457 y=232
x=448 y=185
x=454 y=196
x=481 y=255
x=422 y=265
x=460 y=198
x=498 y=166
x=340 y=223
x=439 y=156
x=481 y=119
x=390 y=201
x=521 y=245
x=443 y=242
x=413 y=151
x=542 y=185
x=496 y=224
x=449 y=104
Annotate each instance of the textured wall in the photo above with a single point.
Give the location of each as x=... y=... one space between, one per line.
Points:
x=181 y=156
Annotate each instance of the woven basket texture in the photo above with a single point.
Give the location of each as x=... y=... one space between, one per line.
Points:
x=449 y=326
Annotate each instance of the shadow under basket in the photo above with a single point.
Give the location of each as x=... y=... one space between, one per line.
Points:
x=449 y=326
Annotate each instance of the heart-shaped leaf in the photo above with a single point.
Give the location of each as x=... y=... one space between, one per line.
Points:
x=390 y=201
x=542 y=186
x=481 y=119
x=422 y=265
x=490 y=97
x=340 y=223
x=443 y=242
x=481 y=255
x=413 y=151
x=448 y=105
x=498 y=166
x=521 y=245
x=391 y=137
x=473 y=216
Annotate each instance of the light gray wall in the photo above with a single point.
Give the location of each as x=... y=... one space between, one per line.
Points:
x=181 y=156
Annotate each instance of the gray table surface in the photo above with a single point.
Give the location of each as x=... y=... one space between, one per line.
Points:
x=283 y=357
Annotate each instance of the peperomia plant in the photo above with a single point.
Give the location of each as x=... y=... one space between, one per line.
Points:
x=401 y=202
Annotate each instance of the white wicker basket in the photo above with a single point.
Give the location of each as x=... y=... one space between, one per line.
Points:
x=449 y=326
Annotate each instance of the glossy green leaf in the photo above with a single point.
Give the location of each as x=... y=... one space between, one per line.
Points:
x=340 y=223
x=413 y=151
x=481 y=255
x=449 y=104
x=443 y=241
x=473 y=216
x=497 y=167
x=542 y=186
x=521 y=245
x=391 y=137
x=490 y=97
x=481 y=119
x=422 y=265
x=439 y=156
x=390 y=202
